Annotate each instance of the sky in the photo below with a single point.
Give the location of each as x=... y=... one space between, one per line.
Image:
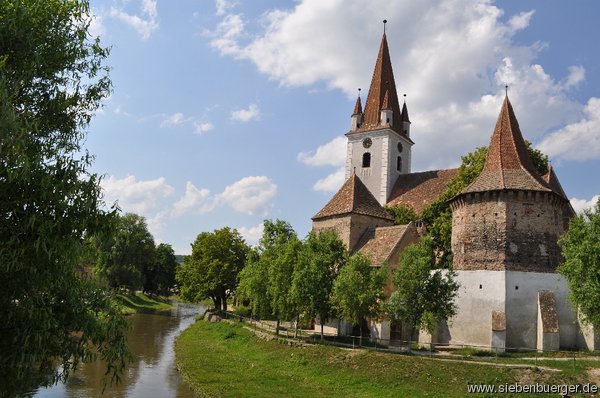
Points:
x=227 y=113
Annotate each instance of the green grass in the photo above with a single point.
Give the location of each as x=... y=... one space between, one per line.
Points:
x=141 y=303
x=225 y=360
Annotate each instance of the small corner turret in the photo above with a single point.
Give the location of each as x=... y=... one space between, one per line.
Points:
x=405 y=119
x=357 y=115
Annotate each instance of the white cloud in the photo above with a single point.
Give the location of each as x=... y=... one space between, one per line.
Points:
x=452 y=58
x=333 y=153
x=222 y=6
x=156 y=223
x=332 y=182
x=179 y=118
x=191 y=198
x=252 y=234
x=246 y=115
x=228 y=32
x=250 y=195
x=579 y=205
x=576 y=76
x=567 y=142
x=203 y=127
x=96 y=28
x=144 y=24
x=135 y=196
x=174 y=120
x=520 y=21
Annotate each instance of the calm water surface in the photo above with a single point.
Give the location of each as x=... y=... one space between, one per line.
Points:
x=151 y=374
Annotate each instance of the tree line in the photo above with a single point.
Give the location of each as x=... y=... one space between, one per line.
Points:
x=285 y=278
x=128 y=258
x=54 y=225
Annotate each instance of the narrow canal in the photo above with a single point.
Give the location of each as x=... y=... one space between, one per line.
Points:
x=151 y=374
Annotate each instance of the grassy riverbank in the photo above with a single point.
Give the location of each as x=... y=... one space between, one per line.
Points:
x=225 y=360
x=141 y=303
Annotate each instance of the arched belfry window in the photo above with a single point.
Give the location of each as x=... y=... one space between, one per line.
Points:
x=399 y=163
x=366 y=161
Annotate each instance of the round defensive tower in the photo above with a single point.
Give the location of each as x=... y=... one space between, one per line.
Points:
x=505 y=229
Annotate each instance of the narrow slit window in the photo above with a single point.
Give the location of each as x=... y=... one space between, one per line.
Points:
x=399 y=163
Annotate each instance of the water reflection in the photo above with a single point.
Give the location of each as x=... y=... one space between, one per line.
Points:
x=151 y=374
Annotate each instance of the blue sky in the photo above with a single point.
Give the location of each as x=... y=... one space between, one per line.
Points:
x=225 y=113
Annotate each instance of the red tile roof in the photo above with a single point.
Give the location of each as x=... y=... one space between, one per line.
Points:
x=418 y=190
x=386 y=100
x=353 y=197
x=381 y=82
x=552 y=180
x=379 y=244
x=508 y=164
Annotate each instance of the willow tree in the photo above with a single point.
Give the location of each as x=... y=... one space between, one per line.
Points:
x=53 y=77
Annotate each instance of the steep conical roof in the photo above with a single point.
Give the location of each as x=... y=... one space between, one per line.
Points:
x=552 y=180
x=405 y=113
x=382 y=81
x=386 y=100
x=357 y=107
x=508 y=164
x=353 y=197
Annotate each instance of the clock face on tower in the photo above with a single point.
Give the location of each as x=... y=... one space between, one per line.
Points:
x=367 y=143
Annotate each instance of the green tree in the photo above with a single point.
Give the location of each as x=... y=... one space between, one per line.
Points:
x=126 y=258
x=438 y=215
x=280 y=247
x=581 y=251
x=266 y=280
x=213 y=268
x=53 y=77
x=161 y=279
x=319 y=261
x=424 y=293
x=402 y=214
x=358 y=290
x=253 y=286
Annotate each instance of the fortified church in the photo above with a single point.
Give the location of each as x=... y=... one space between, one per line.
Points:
x=505 y=227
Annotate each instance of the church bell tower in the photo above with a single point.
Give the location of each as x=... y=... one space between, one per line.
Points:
x=379 y=144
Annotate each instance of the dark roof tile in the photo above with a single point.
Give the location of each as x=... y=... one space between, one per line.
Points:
x=380 y=243
x=508 y=164
x=353 y=197
x=418 y=190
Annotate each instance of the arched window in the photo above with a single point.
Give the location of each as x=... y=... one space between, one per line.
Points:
x=399 y=163
x=366 y=160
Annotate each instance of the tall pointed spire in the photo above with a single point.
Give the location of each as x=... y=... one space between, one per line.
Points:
x=386 y=100
x=508 y=164
x=382 y=82
x=358 y=105
x=405 y=111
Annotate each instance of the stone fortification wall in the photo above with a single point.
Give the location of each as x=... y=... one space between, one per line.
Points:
x=350 y=228
x=479 y=227
x=507 y=230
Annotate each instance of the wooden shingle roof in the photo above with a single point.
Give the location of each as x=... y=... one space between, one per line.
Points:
x=508 y=164
x=353 y=197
